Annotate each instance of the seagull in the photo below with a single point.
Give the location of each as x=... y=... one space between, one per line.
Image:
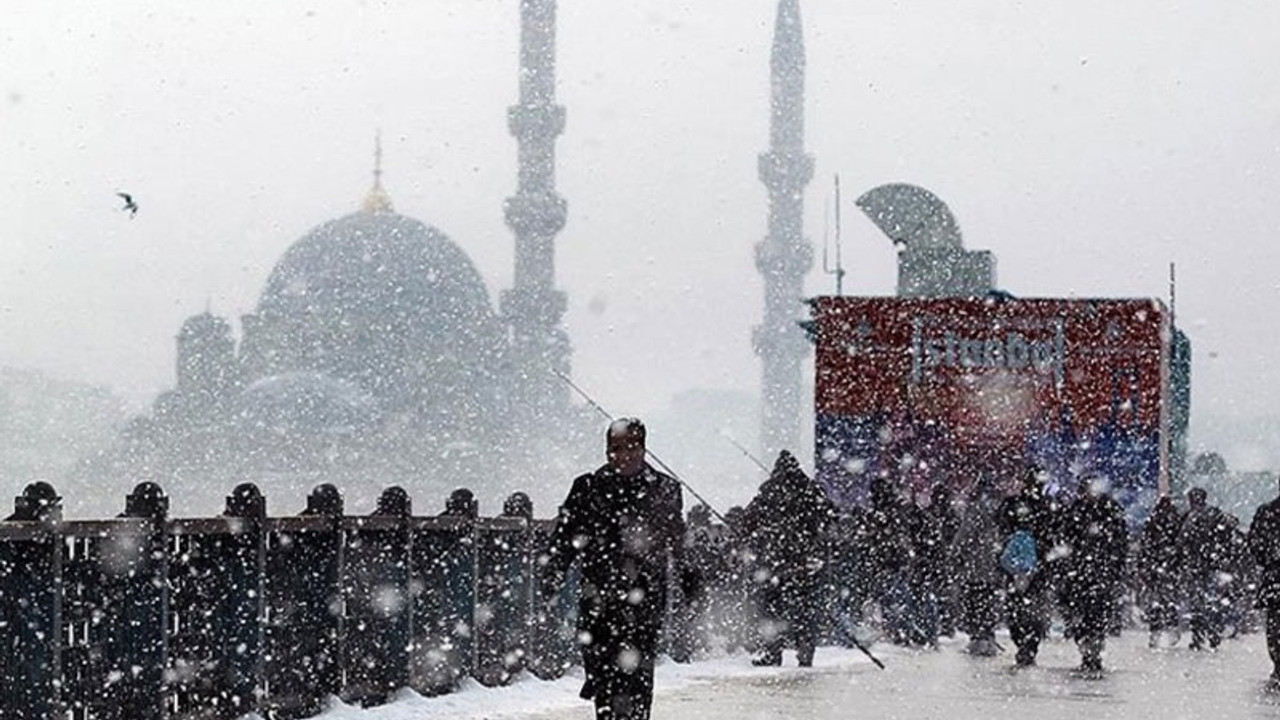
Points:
x=129 y=204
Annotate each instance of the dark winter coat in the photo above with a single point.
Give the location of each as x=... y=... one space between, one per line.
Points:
x=788 y=524
x=1029 y=510
x=978 y=542
x=1159 y=555
x=928 y=550
x=1206 y=541
x=1264 y=545
x=1096 y=538
x=886 y=534
x=627 y=532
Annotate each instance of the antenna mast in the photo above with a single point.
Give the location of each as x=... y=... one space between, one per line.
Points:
x=838 y=270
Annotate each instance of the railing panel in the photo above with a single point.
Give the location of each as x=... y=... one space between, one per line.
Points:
x=442 y=588
x=30 y=621
x=502 y=600
x=376 y=625
x=114 y=609
x=143 y=618
x=214 y=627
x=553 y=625
x=303 y=615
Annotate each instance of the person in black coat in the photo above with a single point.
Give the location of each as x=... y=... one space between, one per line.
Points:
x=787 y=526
x=1206 y=542
x=1158 y=571
x=940 y=568
x=1096 y=540
x=624 y=524
x=1264 y=545
x=976 y=550
x=886 y=544
x=1027 y=597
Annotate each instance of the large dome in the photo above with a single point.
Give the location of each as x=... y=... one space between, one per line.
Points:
x=378 y=299
x=376 y=261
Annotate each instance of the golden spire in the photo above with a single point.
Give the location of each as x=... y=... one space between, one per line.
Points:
x=377 y=200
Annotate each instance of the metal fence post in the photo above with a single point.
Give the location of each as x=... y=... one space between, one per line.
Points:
x=31 y=607
x=140 y=641
x=377 y=625
x=241 y=634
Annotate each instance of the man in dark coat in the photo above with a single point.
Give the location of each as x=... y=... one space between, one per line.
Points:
x=886 y=544
x=1264 y=545
x=941 y=564
x=976 y=550
x=1096 y=540
x=1158 y=570
x=1026 y=597
x=1206 y=543
x=624 y=523
x=787 y=526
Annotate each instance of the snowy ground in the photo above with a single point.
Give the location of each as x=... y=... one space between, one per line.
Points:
x=1140 y=683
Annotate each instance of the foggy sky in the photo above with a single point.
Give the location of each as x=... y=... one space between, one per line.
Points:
x=1086 y=144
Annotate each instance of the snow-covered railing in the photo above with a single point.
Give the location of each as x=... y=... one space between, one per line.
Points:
x=145 y=617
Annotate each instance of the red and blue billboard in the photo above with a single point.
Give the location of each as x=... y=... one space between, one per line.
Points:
x=946 y=390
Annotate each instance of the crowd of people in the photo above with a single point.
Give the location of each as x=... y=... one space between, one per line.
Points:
x=790 y=569
x=910 y=570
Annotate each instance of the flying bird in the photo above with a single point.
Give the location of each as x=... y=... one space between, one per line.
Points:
x=129 y=204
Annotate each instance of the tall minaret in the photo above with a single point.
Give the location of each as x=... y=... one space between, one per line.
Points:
x=533 y=309
x=785 y=255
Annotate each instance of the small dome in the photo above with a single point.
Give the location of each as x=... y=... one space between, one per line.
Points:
x=306 y=403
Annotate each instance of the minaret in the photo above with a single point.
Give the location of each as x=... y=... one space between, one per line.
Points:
x=533 y=308
x=785 y=255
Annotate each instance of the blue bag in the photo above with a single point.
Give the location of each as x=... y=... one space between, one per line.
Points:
x=1018 y=558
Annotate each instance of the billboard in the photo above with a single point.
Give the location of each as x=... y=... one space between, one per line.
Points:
x=928 y=391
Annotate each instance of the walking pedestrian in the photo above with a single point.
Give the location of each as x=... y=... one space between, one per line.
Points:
x=977 y=549
x=1158 y=571
x=1026 y=520
x=787 y=526
x=1205 y=539
x=1264 y=545
x=624 y=524
x=1096 y=540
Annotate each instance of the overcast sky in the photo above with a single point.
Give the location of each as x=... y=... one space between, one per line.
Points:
x=1087 y=144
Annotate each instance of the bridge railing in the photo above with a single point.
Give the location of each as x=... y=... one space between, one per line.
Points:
x=143 y=617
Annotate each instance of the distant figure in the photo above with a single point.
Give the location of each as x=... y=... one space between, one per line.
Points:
x=1097 y=540
x=1028 y=516
x=1264 y=545
x=887 y=546
x=129 y=205
x=978 y=543
x=1158 y=569
x=704 y=565
x=1206 y=543
x=625 y=524
x=786 y=526
x=940 y=568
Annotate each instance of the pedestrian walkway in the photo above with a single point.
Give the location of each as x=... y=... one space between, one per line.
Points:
x=947 y=684
x=1141 y=684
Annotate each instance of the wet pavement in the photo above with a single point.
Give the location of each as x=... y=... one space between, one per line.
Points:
x=1140 y=683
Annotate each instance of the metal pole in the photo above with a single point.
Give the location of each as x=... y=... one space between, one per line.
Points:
x=652 y=456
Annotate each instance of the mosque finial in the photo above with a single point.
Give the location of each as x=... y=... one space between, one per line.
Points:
x=377 y=200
